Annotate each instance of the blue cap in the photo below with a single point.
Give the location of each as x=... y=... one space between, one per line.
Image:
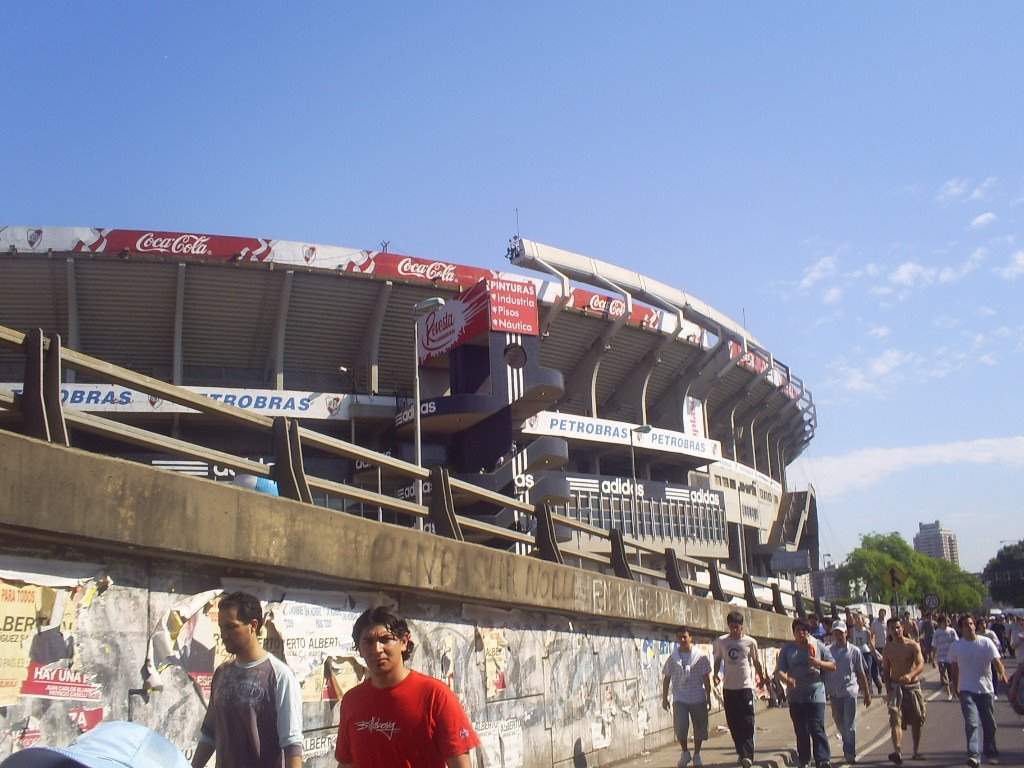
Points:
x=113 y=744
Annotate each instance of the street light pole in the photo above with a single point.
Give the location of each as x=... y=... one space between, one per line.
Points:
x=419 y=309
x=643 y=429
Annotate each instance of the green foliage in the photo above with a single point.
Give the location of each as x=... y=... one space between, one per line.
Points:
x=1005 y=575
x=877 y=553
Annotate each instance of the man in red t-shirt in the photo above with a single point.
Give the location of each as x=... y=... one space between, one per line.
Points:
x=397 y=717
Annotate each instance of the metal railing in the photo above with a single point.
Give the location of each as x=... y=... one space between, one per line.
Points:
x=43 y=417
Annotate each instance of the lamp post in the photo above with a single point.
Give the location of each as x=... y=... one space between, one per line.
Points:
x=643 y=429
x=419 y=309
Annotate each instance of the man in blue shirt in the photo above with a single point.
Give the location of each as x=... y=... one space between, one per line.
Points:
x=801 y=663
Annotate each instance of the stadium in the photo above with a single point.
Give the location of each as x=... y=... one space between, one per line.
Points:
x=613 y=399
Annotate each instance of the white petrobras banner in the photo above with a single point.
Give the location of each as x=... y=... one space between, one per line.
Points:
x=593 y=430
x=111 y=398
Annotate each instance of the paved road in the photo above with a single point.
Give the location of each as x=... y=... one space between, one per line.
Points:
x=943 y=742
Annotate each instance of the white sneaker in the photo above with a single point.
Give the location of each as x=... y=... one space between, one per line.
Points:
x=684 y=759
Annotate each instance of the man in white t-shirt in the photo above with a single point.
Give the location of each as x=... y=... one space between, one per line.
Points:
x=736 y=654
x=688 y=672
x=970 y=667
x=942 y=641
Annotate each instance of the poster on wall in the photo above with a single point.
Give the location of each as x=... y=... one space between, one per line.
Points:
x=496 y=653
x=501 y=743
x=37 y=626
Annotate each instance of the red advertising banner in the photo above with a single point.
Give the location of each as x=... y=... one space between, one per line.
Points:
x=513 y=307
x=459 y=320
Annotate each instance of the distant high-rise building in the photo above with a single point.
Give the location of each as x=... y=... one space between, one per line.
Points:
x=825 y=585
x=934 y=540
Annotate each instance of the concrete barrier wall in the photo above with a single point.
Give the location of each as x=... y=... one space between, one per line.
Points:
x=554 y=665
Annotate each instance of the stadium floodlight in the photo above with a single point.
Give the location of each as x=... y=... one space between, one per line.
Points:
x=418 y=310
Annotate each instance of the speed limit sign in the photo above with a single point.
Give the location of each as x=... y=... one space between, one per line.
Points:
x=931 y=601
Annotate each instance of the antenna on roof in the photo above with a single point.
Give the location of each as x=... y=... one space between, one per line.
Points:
x=517 y=221
x=384 y=245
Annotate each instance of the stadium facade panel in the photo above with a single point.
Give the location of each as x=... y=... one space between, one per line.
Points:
x=614 y=398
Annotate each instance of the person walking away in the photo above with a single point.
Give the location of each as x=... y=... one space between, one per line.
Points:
x=880 y=633
x=843 y=686
x=397 y=717
x=903 y=665
x=862 y=637
x=801 y=663
x=927 y=633
x=736 y=655
x=980 y=628
x=970 y=662
x=998 y=627
x=944 y=637
x=688 y=672
x=255 y=715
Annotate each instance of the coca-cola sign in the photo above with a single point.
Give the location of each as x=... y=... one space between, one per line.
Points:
x=186 y=245
x=427 y=270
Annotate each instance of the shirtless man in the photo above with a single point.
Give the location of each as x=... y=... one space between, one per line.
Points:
x=903 y=665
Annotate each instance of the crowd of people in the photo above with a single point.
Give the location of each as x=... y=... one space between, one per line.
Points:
x=399 y=717
x=832 y=663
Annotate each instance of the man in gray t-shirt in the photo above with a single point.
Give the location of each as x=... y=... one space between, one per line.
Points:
x=687 y=672
x=843 y=685
x=736 y=654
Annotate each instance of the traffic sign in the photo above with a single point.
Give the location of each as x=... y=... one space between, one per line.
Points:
x=895 y=577
x=931 y=601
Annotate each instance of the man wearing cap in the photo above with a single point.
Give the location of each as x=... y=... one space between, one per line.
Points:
x=109 y=744
x=801 y=663
x=255 y=714
x=843 y=685
x=736 y=654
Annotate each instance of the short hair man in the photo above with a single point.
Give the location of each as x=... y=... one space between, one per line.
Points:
x=688 y=672
x=942 y=640
x=971 y=659
x=801 y=663
x=737 y=654
x=903 y=667
x=255 y=714
x=849 y=679
x=397 y=716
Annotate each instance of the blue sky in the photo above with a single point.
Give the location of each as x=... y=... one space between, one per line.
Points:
x=847 y=178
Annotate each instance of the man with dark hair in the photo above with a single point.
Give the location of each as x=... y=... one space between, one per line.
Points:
x=255 y=714
x=397 y=717
x=971 y=662
x=942 y=640
x=688 y=672
x=736 y=654
x=903 y=667
x=843 y=686
x=801 y=663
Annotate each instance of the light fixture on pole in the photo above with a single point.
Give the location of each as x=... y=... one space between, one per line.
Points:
x=643 y=429
x=419 y=309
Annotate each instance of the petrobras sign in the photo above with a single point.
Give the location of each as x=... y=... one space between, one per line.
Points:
x=593 y=430
x=110 y=398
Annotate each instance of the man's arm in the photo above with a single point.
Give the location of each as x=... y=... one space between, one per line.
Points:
x=1000 y=669
x=707 y=689
x=862 y=678
x=760 y=679
x=202 y=754
x=460 y=761
x=917 y=668
x=664 y=693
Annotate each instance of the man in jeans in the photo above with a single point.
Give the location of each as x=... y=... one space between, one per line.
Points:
x=842 y=686
x=970 y=667
x=688 y=671
x=801 y=663
x=736 y=653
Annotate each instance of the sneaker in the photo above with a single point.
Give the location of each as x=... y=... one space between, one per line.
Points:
x=896 y=758
x=684 y=759
x=826 y=764
x=992 y=760
x=949 y=697
x=850 y=759
x=697 y=762
x=972 y=762
x=746 y=762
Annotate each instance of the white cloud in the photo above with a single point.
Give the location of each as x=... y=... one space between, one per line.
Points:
x=1014 y=267
x=832 y=295
x=982 y=190
x=879 y=332
x=952 y=190
x=911 y=273
x=822 y=268
x=983 y=220
x=835 y=476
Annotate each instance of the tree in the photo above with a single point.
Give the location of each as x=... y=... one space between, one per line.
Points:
x=1004 y=575
x=878 y=553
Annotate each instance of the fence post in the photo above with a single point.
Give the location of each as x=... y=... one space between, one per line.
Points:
x=33 y=402
x=798 y=601
x=51 y=393
x=777 y=605
x=544 y=536
x=716 y=582
x=672 y=573
x=442 y=505
x=748 y=592
x=619 y=562
x=288 y=471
